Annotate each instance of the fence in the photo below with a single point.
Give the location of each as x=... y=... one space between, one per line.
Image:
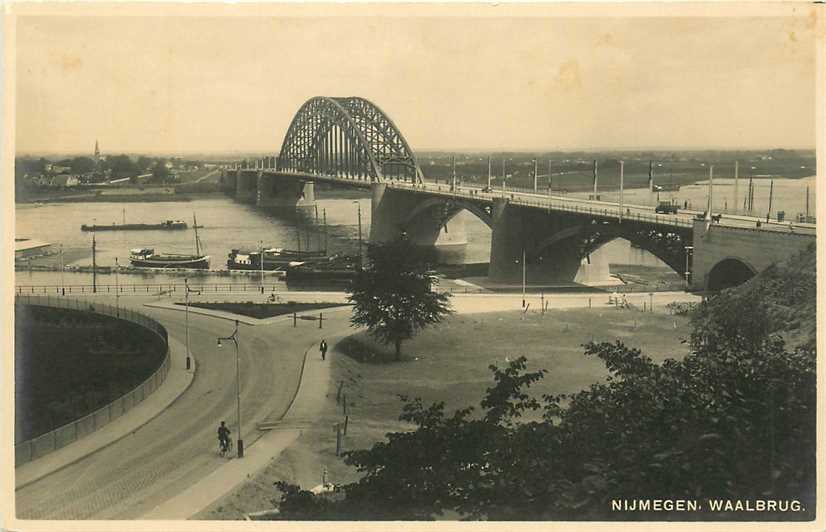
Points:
x=125 y=289
x=575 y=205
x=44 y=444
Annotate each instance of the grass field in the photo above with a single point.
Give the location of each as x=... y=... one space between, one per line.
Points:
x=264 y=310
x=449 y=363
x=69 y=363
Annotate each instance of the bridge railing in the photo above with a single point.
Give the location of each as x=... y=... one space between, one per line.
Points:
x=566 y=205
x=30 y=450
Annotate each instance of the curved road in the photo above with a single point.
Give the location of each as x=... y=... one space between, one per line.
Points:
x=177 y=448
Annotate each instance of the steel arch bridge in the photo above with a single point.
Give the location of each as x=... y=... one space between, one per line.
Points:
x=349 y=138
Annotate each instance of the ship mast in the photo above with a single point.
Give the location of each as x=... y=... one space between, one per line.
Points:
x=197 y=242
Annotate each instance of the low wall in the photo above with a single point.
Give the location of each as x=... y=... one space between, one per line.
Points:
x=44 y=444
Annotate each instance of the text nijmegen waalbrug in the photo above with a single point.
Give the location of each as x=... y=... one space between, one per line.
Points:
x=713 y=505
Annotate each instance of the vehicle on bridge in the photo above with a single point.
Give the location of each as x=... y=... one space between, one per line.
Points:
x=666 y=207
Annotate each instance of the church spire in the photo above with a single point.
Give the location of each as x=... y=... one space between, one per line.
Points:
x=97 y=150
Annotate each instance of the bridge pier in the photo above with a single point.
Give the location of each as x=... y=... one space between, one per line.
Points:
x=390 y=210
x=229 y=181
x=284 y=194
x=549 y=259
x=246 y=185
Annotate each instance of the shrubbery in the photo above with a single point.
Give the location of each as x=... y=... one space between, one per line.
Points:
x=735 y=419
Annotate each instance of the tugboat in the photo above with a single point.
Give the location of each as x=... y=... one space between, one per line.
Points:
x=274 y=258
x=147 y=258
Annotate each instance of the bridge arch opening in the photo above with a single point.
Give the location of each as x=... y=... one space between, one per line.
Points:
x=728 y=273
x=459 y=231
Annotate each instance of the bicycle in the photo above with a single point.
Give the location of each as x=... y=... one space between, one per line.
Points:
x=224 y=450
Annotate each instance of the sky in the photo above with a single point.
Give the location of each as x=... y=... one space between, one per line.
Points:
x=218 y=84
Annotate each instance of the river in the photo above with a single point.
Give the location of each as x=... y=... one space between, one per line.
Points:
x=228 y=224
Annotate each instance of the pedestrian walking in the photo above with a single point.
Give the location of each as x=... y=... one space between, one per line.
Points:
x=323 y=348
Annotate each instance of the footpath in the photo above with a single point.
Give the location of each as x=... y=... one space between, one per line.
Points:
x=307 y=403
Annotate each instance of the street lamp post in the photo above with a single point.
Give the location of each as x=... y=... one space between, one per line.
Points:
x=234 y=338
x=62 y=268
x=524 y=275
x=261 y=263
x=117 y=288
x=688 y=251
x=186 y=327
x=361 y=260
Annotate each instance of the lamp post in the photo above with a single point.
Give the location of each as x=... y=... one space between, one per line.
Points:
x=688 y=251
x=234 y=338
x=62 y=267
x=117 y=288
x=186 y=327
x=361 y=263
x=261 y=264
x=524 y=275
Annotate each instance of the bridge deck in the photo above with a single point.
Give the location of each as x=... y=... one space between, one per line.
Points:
x=641 y=213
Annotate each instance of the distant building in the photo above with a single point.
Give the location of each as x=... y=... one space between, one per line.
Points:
x=65 y=180
x=57 y=169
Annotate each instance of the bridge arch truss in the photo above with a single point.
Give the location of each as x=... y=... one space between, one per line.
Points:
x=349 y=138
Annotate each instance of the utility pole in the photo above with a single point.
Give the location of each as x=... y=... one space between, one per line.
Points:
x=489 y=176
x=524 y=275
x=596 y=177
x=807 y=207
x=622 y=174
x=261 y=264
x=94 y=261
x=535 y=176
x=453 y=178
x=550 y=178
x=117 y=289
x=710 y=192
x=503 y=173
x=361 y=260
x=63 y=285
x=771 y=193
x=324 y=218
x=651 y=181
x=736 y=183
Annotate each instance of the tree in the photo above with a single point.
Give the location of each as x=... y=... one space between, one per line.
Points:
x=121 y=166
x=82 y=165
x=160 y=173
x=393 y=296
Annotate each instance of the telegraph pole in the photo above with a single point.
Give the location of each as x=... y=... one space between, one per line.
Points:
x=550 y=178
x=503 y=173
x=324 y=218
x=710 y=192
x=94 y=261
x=622 y=173
x=736 y=183
x=596 y=177
x=489 y=161
x=453 y=178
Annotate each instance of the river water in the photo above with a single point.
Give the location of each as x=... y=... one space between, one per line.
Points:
x=228 y=224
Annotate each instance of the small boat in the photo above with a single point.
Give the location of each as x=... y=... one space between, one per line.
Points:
x=147 y=258
x=274 y=258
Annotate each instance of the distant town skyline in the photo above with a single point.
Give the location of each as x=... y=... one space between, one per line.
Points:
x=221 y=85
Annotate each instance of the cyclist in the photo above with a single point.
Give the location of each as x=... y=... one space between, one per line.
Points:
x=223 y=437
